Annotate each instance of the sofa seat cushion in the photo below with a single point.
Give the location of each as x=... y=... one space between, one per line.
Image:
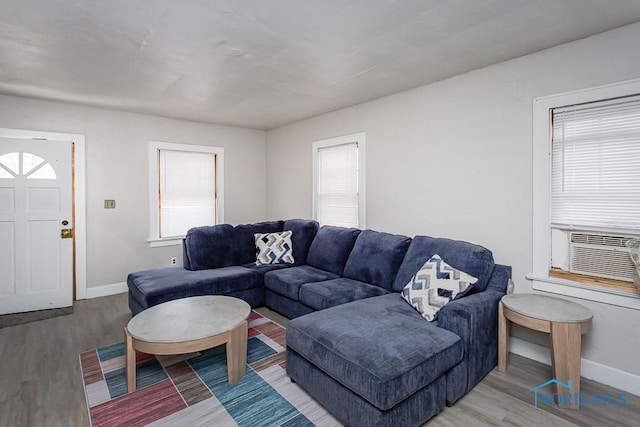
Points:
x=321 y=295
x=376 y=257
x=152 y=287
x=264 y=268
x=380 y=348
x=287 y=282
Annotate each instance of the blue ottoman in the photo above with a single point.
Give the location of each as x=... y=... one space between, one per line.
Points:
x=373 y=362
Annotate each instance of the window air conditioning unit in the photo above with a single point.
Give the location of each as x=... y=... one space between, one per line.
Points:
x=601 y=255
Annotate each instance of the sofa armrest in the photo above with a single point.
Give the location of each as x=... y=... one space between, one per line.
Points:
x=474 y=319
x=468 y=317
x=500 y=278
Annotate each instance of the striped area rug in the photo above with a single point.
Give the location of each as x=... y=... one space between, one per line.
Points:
x=192 y=389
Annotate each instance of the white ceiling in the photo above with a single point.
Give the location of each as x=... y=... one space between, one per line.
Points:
x=263 y=63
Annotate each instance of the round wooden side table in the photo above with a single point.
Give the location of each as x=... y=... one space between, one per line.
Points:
x=564 y=320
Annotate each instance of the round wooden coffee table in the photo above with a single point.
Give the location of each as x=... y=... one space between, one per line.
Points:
x=564 y=320
x=188 y=325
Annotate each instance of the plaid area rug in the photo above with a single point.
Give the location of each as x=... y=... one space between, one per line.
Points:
x=192 y=389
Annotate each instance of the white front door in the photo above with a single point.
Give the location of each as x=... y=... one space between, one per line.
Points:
x=36 y=207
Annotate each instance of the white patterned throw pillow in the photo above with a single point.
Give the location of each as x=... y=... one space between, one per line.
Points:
x=434 y=285
x=274 y=248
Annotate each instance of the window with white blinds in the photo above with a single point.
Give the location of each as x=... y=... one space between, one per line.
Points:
x=595 y=171
x=187 y=195
x=338 y=198
x=186 y=189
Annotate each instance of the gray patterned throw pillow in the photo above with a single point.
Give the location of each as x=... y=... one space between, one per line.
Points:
x=274 y=248
x=434 y=285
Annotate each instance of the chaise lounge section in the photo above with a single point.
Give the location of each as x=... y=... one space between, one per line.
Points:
x=330 y=352
x=372 y=362
x=354 y=343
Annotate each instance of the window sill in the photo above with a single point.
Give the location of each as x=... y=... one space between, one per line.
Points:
x=585 y=291
x=596 y=282
x=158 y=243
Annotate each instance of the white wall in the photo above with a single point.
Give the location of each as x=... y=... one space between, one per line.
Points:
x=116 y=165
x=453 y=159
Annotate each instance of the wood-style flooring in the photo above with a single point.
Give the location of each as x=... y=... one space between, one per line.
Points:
x=40 y=382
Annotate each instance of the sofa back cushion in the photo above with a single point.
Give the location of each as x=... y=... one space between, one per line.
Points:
x=209 y=247
x=303 y=232
x=331 y=248
x=376 y=258
x=246 y=241
x=464 y=256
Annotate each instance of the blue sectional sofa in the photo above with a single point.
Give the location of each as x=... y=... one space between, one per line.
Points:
x=354 y=344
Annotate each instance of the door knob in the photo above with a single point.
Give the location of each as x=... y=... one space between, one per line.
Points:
x=66 y=233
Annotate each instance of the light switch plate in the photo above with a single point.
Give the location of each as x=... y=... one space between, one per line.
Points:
x=109 y=204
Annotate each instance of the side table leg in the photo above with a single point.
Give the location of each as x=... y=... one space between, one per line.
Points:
x=237 y=353
x=131 y=362
x=503 y=339
x=566 y=342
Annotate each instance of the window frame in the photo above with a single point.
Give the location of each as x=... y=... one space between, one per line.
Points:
x=360 y=140
x=154 y=178
x=541 y=197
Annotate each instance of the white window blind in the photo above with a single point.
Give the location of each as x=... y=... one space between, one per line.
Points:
x=187 y=191
x=337 y=198
x=595 y=180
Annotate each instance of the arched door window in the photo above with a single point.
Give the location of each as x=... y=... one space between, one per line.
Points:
x=25 y=164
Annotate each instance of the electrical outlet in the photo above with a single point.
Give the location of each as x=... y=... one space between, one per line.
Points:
x=109 y=204
x=174 y=261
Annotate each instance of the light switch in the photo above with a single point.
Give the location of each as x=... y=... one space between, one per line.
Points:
x=109 y=204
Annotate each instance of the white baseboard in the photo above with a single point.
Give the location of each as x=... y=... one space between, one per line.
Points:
x=603 y=374
x=106 y=290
